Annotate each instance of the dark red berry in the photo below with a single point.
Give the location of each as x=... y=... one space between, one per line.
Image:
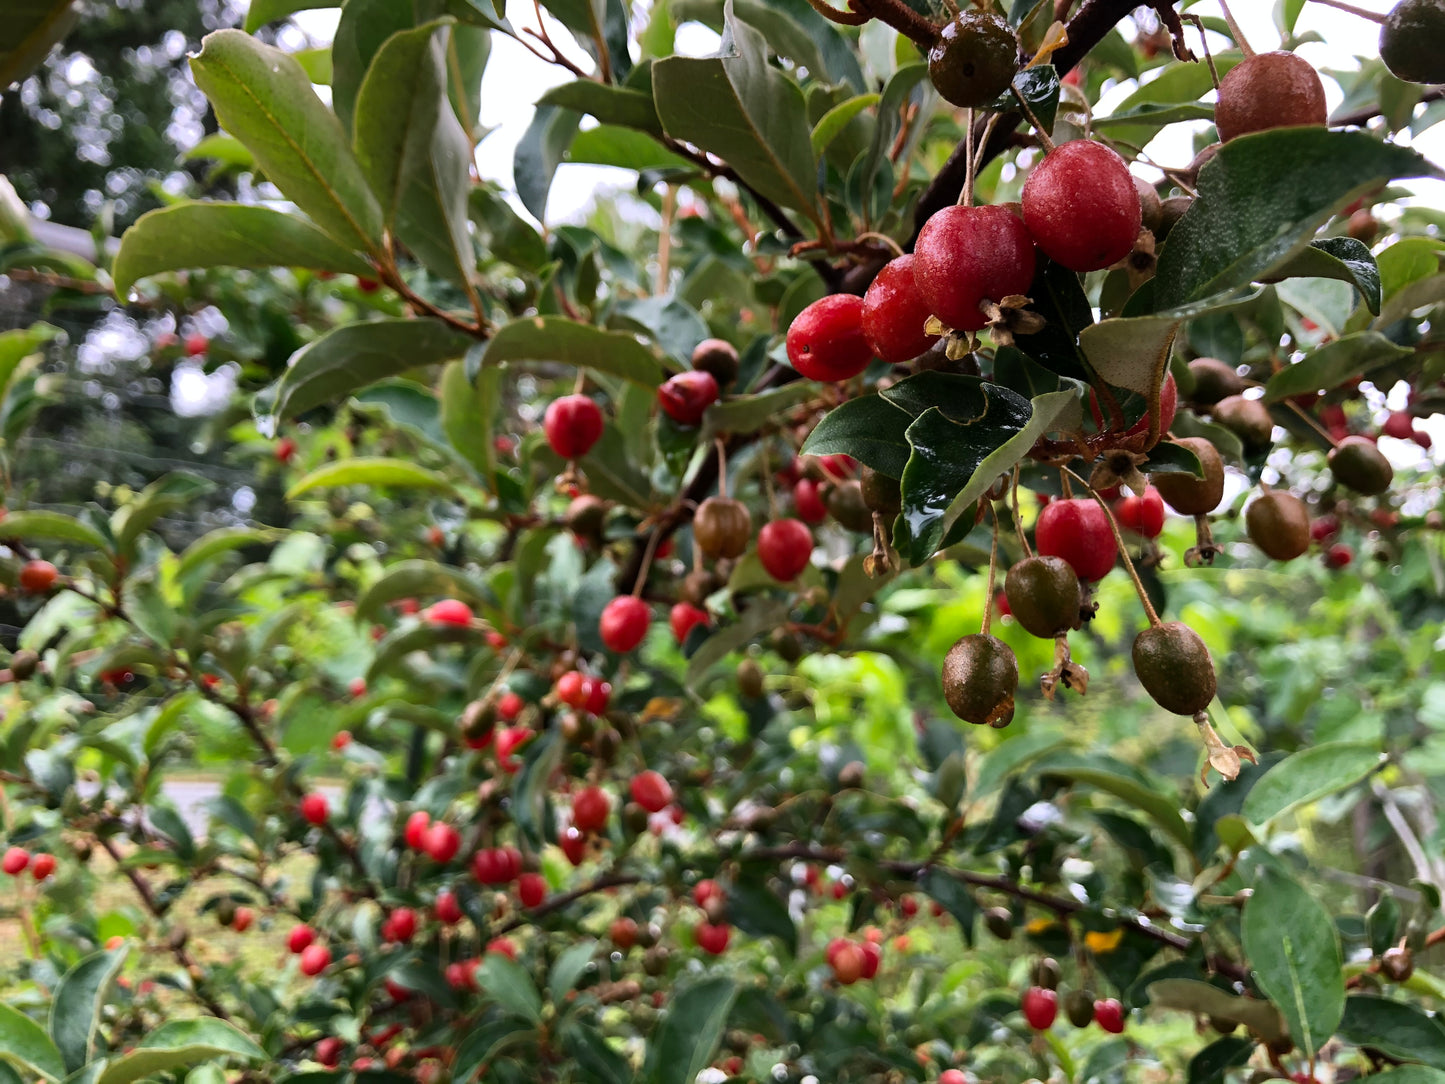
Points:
x=416 y=826
x=1109 y=1015
x=448 y=908
x=1142 y=515
x=712 y=939
x=1040 y=1007
x=315 y=959
x=651 y=791
x=686 y=396
x=315 y=809
x=531 y=889
x=624 y=623
x=826 y=340
x=449 y=611
x=1399 y=425
x=572 y=425
x=590 y=809
x=328 y=1050
x=441 y=842
x=1078 y=531
x=38 y=577
x=1339 y=556
x=299 y=938
x=784 y=547
x=966 y=254
x=684 y=618
x=808 y=501
x=894 y=313
x=1081 y=206
x=285 y=450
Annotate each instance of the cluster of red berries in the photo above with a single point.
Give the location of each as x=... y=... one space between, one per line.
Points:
x=17 y=859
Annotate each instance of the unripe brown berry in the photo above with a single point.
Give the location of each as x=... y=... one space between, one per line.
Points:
x=23 y=664
x=1174 y=667
x=1186 y=494
x=980 y=677
x=1357 y=463
x=851 y=776
x=1000 y=923
x=718 y=357
x=586 y=516
x=1046 y=973
x=1079 y=1008
x=722 y=527
x=881 y=493
x=1213 y=380
x=750 y=679
x=974 y=59
x=846 y=504
x=1151 y=208
x=1248 y=419
x=1279 y=524
x=1397 y=964
x=1043 y=595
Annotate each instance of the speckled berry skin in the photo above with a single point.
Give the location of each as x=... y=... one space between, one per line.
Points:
x=894 y=314
x=826 y=340
x=1081 y=206
x=966 y=254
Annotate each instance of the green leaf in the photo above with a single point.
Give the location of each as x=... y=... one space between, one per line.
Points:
x=1293 y=950
x=401 y=642
x=362 y=30
x=353 y=356
x=24 y=1044
x=19 y=344
x=539 y=152
x=1309 y=775
x=567 y=972
x=77 y=1005
x=744 y=110
x=1408 y=260
x=177 y=1044
x=419 y=580
x=316 y=63
x=1395 y=1029
x=749 y=413
x=688 y=1036
x=836 y=119
x=508 y=984
x=52 y=527
x=1409 y=1074
x=226 y=235
x=870 y=429
x=31 y=28
x=1177 y=84
x=510 y=238
x=589 y=1048
x=163 y=496
x=623 y=148
x=414 y=151
x=264 y=99
x=1212 y=1064
x=223 y=540
x=954 y=897
x=1341 y=258
x=1261 y=199
x=261 y=12
x=370 y=472
x=1333 y=364
x=1162 y=809
x=671 y=322
x=558 y=340
x=757 y=911
x=467 y=412
x=1205 y=999
x=610 y=105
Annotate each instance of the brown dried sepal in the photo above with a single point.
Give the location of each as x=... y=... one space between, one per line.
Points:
x=1066 y=671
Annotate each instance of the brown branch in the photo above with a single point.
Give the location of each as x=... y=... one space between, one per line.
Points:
x=901 y=18
x=1361 y=117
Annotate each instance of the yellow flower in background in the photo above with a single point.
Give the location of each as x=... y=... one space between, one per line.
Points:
x=1103 y=942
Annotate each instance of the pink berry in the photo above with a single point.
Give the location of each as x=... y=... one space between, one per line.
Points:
x=315 y=959
x=785 y=546
x=1078 y=531
x=314 y=808
x=590 y=809
x=651 y=791
x=1040 y=1007
x=449 y=611
x=684 y=618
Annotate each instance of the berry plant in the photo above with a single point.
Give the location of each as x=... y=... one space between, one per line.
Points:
x=918 y=379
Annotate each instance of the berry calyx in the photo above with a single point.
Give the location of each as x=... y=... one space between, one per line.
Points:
x=299 y=938
x=974 y=59
x=1142 y=515
x=826 y=341
x=722 y=527
x=531 y=889
x=590 y=809
x=1190 y=495
x=315 y=959
x=1077 y=530
x=1356 y=462
x=572 y=425
x=1269 y=90
x=785 y=546
x=15 y=860
x=712 y=939
x=1043 y=596
x=894 y=313
x=1041 y=1007
x=624 y=623
x=449 y=611
x=686 y=396
x=965 y=254
x=1174 y=667
x=1279 y=524
x=685 y=617
x=38 y=577
x=651 y=791
x=314 y=809
x=1081 y=206
x=441 y=842
x=980 y=677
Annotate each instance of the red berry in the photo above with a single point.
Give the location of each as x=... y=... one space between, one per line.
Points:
x=285 y=450
x=838 y=467
x=197 y=344
x=509 y=705
x=461 y=975
x=785 y=547
x=686 y=396
x=42 y=866
x=400 y=925
x=503 y=946
x=441 y=842
x=531 y=889
x=1324 y=528
x=826 y=340
x=328 y=1051
x=894 y=313
x=846 y=959
x=684 y=618
x=1422 y=438
x=416 y=828
x=367 y=286
x=573 y=688
x=315 y=809
x=1081 y=206
x=574 y=846
x=651 y=791
x=495 y=640
x=315 y=959
x=1109 y=1015
x=956 y=1076
x=712 y=939
x=599 y=695
x=705 y=891
x=38 y=577
x=449 y=611
x=590 y=809
x=623 y=933
x=908 y=905
x=872 y=959
x=1000 y=604
x=435 y=537
x=448 y=908
x=1078 y=531
x=243 y=919
x=624 y=623
x=808 y=501
x=1339 y=556
x=965 y=254
x=1142 y=515
x=340 y=740
x=1399 y=425
x=299 y=938
x=1040 y=1007
x=508 y=740
x=572 y=424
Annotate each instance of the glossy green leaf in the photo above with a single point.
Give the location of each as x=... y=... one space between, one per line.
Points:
x=1409 y=1074
x=1416 y=295
x=18 y=344
x=51 y=527
x=1162 y=810
x=370 y=472
x=354 y=356
x=594 y=1056
x=200 y=553
x=559 y=340
x=670 y=322
x=1177 y=84
x=361 y=31
x=1206 y=999
x=414 y=151
x=1332 y=364
x=504 y=232
x=954 y=897
x=749 y=413
x=1395 y=1029
x=264 y=99
x=162 y=497
x=540 y=151
x=1382 y=923
x=684 y=1043
x=1153 y=115
x=757 y=911
x=510 y=986
x=567 y=972
x=1212 y=1064
x=759 y=618
x=1261 y=199
x=610 y=105
x=177 y=1044
x=402 y=641
x=624 y=148
x=869 y=428
x=261 y=12
x=1408 y=260
x=836 y=119
x=31 y=28
x=1341 y=258
x=467 y=412
x=420 y=580
x=24 y=1044
x=792 y=29
x=1309 y=775
x=226 y=235
x=1293 y=950
x=748 y=113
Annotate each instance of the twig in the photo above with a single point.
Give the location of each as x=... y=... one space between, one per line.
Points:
x=1424 y=868
x=1373 y=16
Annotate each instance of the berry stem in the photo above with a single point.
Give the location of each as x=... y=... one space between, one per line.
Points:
x=1235 y=32
x=992 y=572
x=722 y=467
x=1149 y=611
x=653 y=538
x=965 y=198
x=1305 y=416
x=844 y=18
x=664 y=239
x=1043 y=136
x=892 y=245
x=1198 y=24
x=1017 y=517
x=1373 y=16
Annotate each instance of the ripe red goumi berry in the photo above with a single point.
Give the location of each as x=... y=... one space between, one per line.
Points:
x=573 y=688
x=328 y=1051
x=1109 y=1015
x=784 y=547
x=449 y=611
x=826 y=340
x=503 y=946
x=38 y=577
x=808 y=501
x=1040 y=1007
x=416 y=827
x=285 y=450
x=15 y=860
x=400 y=925
x=712 y=939
x=509 y=706
x=531 y=889
x=1142 y=515
x=572 y=425
x=965 y=254
x=42 y=866
x=1077 y=530
x=244 y=917
x=623 y=933
x=1081 y=206
x=508 y=741
x=651 y=791
x=599 y=695
x=1339 y=556
x=686 y=396
x=590 y=809
x=574 y=846
x=706 y=891
x=314 y=809
x=448 y=908
x=872 y=959
x=846 y=959
x=299 y=938
x=1399 y=425
x=894 y=313
x=955 y=1076
x=442 y=842
x=496 y=865
x=684 y=618
x=315 y=959
x=624 y=623
x=197 y=344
